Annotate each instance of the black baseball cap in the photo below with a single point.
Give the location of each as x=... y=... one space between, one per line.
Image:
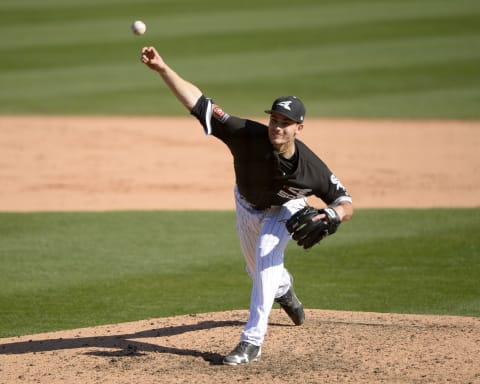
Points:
x=289 y=106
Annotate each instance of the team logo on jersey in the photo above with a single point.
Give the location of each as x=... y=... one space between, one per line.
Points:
x=293 y=193
x=285 y=104
x=219 y=114
x=335 y=181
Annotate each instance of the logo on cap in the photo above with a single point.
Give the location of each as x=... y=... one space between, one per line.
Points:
x=285 y=104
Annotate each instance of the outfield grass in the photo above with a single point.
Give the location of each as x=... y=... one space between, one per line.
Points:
x=355 y=58
x=69 y=270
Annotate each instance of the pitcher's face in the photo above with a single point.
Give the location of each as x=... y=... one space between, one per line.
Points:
x=282 y=130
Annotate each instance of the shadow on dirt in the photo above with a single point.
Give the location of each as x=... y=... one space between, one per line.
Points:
x=124 y=345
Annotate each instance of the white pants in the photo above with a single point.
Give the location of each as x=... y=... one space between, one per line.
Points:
x=263 y=238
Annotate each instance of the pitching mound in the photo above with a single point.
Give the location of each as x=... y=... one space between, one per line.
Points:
x=331 y=347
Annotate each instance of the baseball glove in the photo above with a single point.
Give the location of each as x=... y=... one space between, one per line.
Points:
x=307 y=232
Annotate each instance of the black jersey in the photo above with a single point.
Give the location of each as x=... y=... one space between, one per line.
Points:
x=260 y=176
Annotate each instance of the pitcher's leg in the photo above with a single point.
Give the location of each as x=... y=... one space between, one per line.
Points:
x=248 y=223
x=267 y=277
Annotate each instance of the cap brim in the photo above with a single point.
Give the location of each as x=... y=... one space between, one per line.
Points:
x=269 y=111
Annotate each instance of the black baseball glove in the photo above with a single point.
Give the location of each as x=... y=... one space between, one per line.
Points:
x=307 y=232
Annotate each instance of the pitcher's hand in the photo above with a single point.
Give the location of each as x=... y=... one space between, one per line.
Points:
x=152 y=59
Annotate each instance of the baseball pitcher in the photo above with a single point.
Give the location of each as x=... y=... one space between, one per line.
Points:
x=274 y=174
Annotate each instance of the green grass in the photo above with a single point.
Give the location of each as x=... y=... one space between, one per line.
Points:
x=389 y=58
x=69 y=270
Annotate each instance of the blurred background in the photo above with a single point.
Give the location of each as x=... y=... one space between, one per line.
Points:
x=355 y=58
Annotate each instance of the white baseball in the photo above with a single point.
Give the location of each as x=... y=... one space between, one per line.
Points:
x=139 y=27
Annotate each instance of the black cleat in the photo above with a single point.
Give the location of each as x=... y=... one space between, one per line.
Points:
x=243 y=353
x=292 y=306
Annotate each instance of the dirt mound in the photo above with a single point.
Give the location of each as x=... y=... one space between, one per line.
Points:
x=331 y=347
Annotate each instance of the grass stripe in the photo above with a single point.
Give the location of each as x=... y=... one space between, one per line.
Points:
x=60 y=58
x=48 y=55
x=68 y=270
x=91 y=24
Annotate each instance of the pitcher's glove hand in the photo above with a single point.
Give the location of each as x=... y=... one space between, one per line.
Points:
x=307 y=232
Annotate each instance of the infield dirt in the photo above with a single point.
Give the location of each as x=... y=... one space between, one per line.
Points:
x=103 y=163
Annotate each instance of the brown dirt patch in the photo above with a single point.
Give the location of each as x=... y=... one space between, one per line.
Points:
x=60 y=163
x=331 y=347
x=86 y=163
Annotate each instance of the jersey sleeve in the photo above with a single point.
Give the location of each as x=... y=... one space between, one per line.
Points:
x=317 y=174
x=230 y=129
x=203 y=111
x=209 y=115
x=337 y=193
x=329 y=188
